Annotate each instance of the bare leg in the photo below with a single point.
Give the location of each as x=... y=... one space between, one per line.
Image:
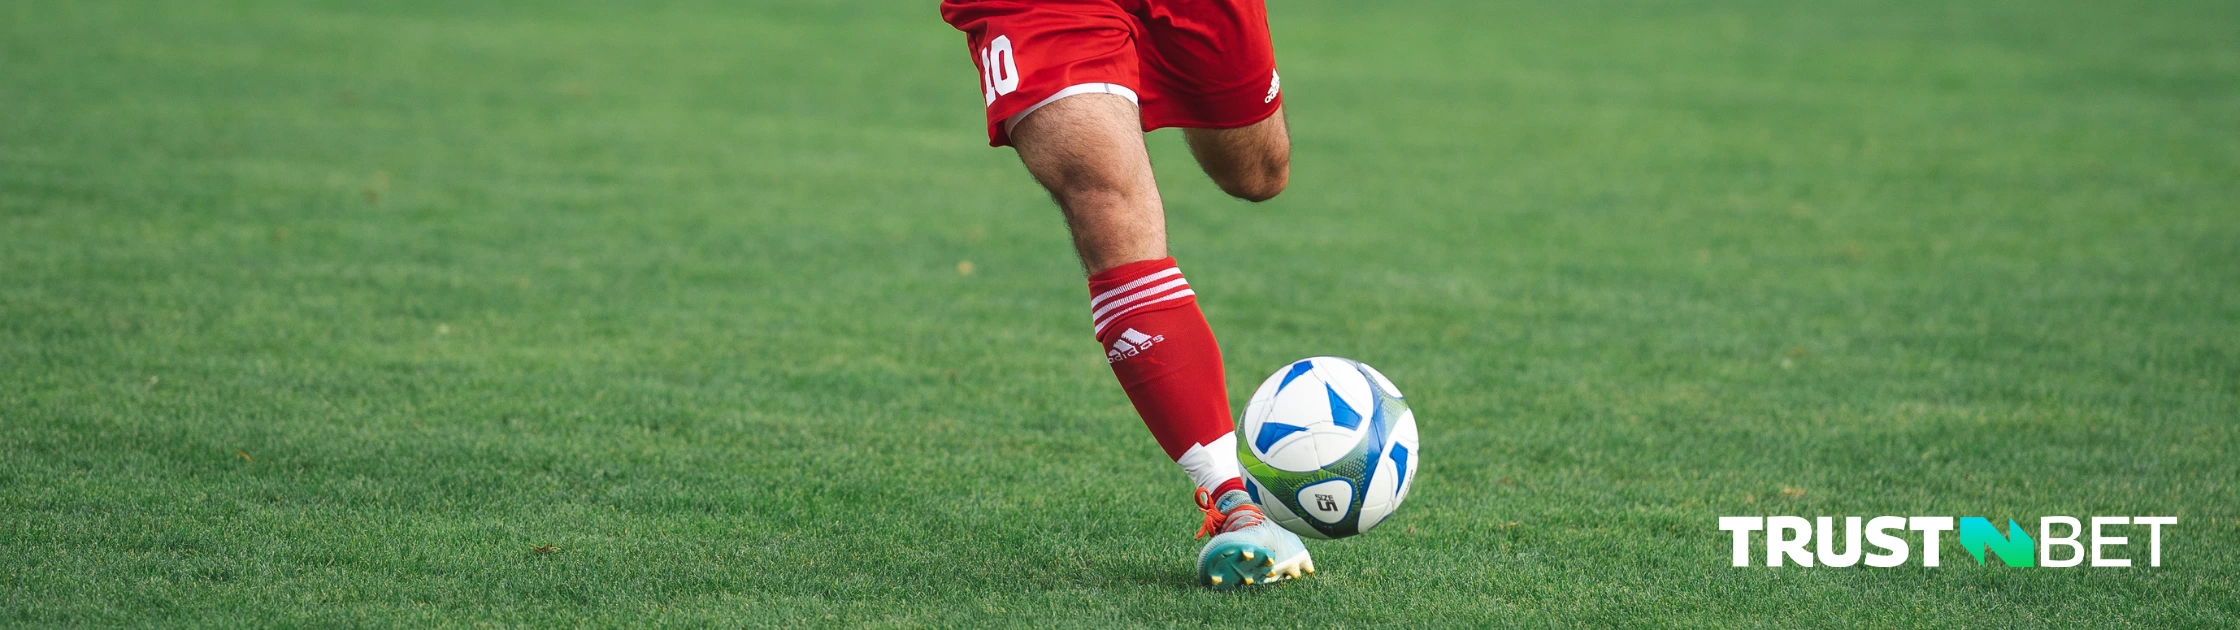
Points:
x=1252 y=162
x=1088 y=151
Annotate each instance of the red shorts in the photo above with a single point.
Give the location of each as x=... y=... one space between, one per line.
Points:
x=1186 y=63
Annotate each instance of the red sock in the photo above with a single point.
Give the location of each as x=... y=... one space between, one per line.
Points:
x=1159 y=346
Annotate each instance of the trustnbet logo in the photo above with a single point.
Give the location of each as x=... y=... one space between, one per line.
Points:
x=1787 y=537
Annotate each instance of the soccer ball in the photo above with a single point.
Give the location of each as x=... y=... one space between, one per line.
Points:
x=1328 y=446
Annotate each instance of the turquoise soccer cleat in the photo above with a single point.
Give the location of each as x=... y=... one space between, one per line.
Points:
x=1247 y=549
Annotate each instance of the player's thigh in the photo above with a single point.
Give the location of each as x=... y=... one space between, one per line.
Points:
x=1087 y=149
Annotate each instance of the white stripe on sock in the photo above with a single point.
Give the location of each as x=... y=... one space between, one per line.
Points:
x=1136 y=296
x=1116 y=316
x=1116 y=291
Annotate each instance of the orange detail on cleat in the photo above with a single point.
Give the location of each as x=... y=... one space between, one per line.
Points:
x=1215 y=519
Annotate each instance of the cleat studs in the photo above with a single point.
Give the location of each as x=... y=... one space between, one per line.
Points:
x=1310 y=568
x=1248 y=555
x=1216 y=580
x=1248 y=581
x=1268 y=562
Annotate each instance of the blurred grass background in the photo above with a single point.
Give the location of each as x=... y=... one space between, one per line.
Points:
x=409 y=313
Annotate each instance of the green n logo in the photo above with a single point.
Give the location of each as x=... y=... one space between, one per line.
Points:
x=2016 y=549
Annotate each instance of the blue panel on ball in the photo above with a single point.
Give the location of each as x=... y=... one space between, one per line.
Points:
x=1399 y=464
x=1342 y=414
x=1253 y=489
x=1380 y=429
x=1297 y=369
x=1272 y=432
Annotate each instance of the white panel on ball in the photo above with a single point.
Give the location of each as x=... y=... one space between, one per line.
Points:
x=1275 y=509
x=1327 y=501
x=1303 y=401
x=1306 y=438
x=1294 y=453
x=1347 y=382
x=1404 y=436
x=1259 y=409
x=1382 y=382
x=1382 y=495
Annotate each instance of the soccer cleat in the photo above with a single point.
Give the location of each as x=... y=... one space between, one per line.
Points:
x=1247 y=549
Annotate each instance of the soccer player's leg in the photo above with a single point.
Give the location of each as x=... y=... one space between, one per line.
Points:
x=1088 y=151
x=1062 y=87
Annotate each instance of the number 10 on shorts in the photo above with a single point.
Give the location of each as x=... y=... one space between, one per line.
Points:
x=999 y=72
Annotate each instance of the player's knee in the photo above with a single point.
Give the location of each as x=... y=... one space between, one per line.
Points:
x=1260 y=184
x=1095 y=193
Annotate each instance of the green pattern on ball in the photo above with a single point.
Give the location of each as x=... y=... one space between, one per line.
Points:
x=1283 y=485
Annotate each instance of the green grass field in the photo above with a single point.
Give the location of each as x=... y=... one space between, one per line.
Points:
x=337 y=313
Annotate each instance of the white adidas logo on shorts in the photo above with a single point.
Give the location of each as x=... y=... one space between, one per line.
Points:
x=1130 y=344
x=1275 y=86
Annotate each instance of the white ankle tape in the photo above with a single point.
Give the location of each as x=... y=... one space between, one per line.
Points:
x=1211 y=463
